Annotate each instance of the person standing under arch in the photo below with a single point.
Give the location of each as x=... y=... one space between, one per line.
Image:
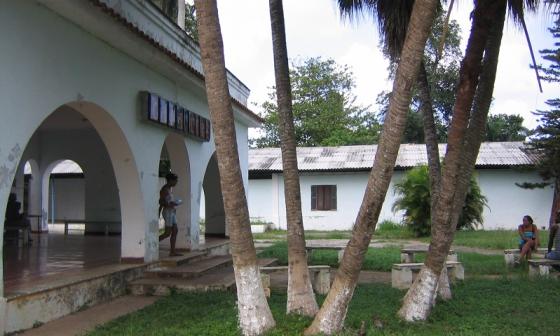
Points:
x=167 y=207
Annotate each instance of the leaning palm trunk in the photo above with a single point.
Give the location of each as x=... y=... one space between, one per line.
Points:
x=463 y=146
x=301 y=299
x=430 y=133
x=330 y=318
x=254 y=314
x=434 y=166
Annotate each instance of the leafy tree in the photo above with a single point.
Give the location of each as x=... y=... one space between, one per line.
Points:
x=415 y=200
x=325 y=113
x=443 y=78
x=190 y=21
x=503 y=127
x=545 y=142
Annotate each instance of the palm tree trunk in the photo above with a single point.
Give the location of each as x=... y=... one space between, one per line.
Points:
x=463 y=146
x=430 y=133
x=332 y=314
x=434 y=166
x=254 y=314
x=301 y=299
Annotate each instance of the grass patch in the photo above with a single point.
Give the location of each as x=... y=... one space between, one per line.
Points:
x=493 y=239
x=486 y=239
x=382 y=259
x=479 y=307
x=309 y=234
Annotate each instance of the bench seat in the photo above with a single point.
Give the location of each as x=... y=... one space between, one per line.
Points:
x=407 y=254
x=401 y=274
x=541 y=267
x=320 y=277
x=511 y=254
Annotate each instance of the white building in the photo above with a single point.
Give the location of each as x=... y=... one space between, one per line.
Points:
x=333 y=181
x=112 y=85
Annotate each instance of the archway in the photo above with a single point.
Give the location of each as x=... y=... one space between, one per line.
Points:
x=214 y=214
x=64 y=195
x=87 y=134
x=175 y=158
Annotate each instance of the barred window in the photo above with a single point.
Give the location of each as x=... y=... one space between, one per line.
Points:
x=323 y=197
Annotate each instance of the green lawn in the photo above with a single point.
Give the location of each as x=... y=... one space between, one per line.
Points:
x=487 y=239
x=479 y=307
x=382 y=259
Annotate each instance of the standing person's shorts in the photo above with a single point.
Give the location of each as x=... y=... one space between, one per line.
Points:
x=169 y=217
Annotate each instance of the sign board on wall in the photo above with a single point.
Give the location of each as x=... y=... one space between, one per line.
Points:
x=169 y=114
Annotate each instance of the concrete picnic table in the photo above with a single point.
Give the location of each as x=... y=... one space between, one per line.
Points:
x=408 y=253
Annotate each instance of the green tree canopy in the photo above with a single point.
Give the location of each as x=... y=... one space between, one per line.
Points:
x=545 y=141
x=443 y=80
x=324 y=108
x=503 y=127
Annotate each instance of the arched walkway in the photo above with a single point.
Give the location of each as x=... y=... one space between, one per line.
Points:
x=214 y=215
x=88 y=135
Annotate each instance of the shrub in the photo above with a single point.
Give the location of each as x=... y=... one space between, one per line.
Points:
x=414 y=199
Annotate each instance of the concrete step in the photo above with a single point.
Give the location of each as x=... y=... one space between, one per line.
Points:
x=221 y=278
x=218 y=280
x=186 y=258
x=191 y=269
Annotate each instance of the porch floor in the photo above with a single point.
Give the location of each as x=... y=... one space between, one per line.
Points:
x=41 y=264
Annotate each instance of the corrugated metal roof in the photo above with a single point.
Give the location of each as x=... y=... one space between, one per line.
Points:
x=361 y=157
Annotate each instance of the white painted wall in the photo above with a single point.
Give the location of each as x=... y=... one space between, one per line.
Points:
x=73 y=54
x=507 y=203
x=69 y=198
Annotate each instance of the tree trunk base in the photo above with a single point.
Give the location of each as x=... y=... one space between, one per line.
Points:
x=301 y=299
x=419 y=299
x=254 y=314
x=330 y=318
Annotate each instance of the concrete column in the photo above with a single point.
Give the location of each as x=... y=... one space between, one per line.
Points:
x=322 y=282
x=195 y=201
x=35 y=195
x=401 y=278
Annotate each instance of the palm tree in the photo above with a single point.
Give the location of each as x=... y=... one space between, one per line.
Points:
x=254 y=314
x=301 y=299
x=392 y=19
x=330 y=318
x=465 y=136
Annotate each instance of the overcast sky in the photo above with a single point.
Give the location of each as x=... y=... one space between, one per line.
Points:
x=313 y=28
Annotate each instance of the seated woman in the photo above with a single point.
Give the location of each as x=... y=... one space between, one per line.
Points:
x=528 y=237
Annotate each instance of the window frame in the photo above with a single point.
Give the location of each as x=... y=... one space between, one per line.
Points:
x=324 y=197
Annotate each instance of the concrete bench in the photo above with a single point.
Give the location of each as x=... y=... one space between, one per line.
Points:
x=408 y=254
x=320 y=277
x=541 y=267
x=401 y=274
x=312 y=248
x=510 y=255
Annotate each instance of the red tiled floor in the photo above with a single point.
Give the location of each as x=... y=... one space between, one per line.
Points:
x=52 y=254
